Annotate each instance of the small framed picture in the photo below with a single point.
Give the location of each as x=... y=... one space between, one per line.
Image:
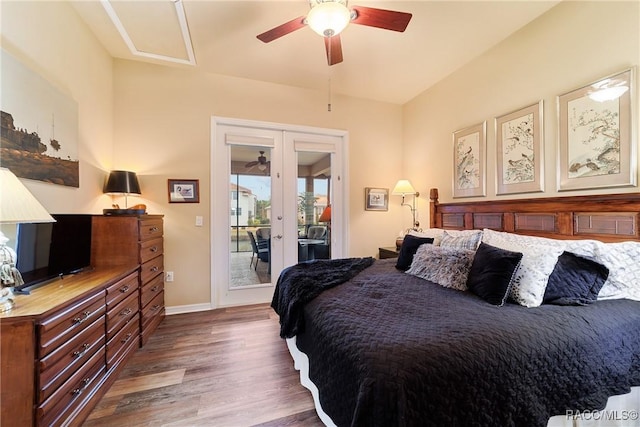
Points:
x=376 y=199
x=184 y=191
x=520 y=151
x=468 y=161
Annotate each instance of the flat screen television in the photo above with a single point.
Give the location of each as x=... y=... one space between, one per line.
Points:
x=54 y=249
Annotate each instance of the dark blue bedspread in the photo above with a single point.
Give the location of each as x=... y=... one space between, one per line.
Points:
x=389 y=349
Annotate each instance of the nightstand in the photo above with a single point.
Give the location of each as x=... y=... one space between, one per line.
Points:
x=388 y=252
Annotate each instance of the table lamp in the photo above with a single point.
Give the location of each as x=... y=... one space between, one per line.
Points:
x=121 y=182
x=17 y=205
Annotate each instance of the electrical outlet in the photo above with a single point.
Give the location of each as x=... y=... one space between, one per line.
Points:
x=168 y=276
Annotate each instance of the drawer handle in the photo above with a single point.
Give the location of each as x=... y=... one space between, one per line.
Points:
x=79 y=390
x=153 y=229
x=78 y=320
x=126 y=338
x=154 y=249
x=155 y=288
x=154 y=268
x=127 y=311
x=156 y=307
x=124 y=289
x=79 y=353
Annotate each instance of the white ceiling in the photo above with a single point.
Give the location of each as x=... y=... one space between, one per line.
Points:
x=378 y=64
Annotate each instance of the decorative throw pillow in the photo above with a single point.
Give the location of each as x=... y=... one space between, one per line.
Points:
x=624 y=270
x=532 y=274
x=447 y=267
x=462 y=241
x=492 y=272
x=434 y=233
x=575 y=281
x=409 y=247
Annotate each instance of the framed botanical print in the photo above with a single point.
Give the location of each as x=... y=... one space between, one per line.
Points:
x=597 y=140
x=184 y=190
x=376 y=199
x=469 y=147
x=519 y=148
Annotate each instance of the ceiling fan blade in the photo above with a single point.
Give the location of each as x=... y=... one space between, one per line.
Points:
x=334 y=49
x=381 y=18
x=282 y=30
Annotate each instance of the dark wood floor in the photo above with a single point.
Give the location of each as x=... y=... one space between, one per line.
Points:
x=225 y=367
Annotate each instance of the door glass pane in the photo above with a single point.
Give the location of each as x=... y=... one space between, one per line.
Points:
x=250 y=209
x=314 y=196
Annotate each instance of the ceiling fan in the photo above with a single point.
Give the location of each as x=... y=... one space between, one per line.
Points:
x=329 y=17
x=262 y=162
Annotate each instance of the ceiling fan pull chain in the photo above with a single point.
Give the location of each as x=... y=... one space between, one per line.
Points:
x=329 y=103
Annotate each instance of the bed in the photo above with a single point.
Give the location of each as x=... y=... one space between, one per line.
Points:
x=378 y=346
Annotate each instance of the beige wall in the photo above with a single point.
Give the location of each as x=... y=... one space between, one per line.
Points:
x=573 y=44
x=163 y=127
x=50 y=39
x=156 y=120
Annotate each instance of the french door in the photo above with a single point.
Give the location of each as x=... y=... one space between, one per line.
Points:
x=277 y=198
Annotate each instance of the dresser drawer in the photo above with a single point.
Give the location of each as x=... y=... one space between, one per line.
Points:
x=150 y=228
x=121 y=314
x=154 y=308
x=63 y=325
x=151 y=289
x=122 y=342
x=121 y=290
x=73 y=393
x=60 y=364
x=151 y=269
x=150 y=249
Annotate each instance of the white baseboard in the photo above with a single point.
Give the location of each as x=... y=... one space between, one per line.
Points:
x=191 y=308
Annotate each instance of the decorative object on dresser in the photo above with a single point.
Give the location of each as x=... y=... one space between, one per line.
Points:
x=184 y=190
x=596 y=134
x=123 y=182
x=135 y=239
x=469 y=172
x=404 y=188
x=19 y=206
x=376 y=199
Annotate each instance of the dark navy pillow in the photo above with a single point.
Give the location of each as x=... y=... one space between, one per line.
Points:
x=575 y=281
x=410 y=245
x=491 y=273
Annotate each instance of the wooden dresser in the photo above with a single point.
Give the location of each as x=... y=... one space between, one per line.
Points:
x=55 y=348
x=135 y=238
x=63 y=346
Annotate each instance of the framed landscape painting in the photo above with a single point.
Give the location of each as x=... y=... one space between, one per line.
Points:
x=597 y=141
x=469 y=147
x=519 y=148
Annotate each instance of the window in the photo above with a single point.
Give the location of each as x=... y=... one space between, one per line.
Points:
x=236 y=211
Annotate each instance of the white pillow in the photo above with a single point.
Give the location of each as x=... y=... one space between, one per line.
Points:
x=469 y=241
x=538 y=261
x=433 y=233
x=623 y=261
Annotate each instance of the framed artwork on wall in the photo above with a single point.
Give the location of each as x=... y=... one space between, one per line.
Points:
x=519 y=149
x=469 y=147
x=597 y=135
x=39 y=126
x=376 y=199
x=184 y=191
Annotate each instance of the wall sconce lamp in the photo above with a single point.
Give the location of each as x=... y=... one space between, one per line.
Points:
x=18 y=206
x=404 y=188
x=121 y=182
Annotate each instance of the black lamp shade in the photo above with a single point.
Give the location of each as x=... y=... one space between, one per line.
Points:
x=122 y=182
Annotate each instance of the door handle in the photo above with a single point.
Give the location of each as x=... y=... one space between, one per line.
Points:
x=278 y=236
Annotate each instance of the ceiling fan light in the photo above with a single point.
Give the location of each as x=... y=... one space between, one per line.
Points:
x=328 y=19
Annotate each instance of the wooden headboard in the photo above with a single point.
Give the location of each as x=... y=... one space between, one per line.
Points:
x=609 y=218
